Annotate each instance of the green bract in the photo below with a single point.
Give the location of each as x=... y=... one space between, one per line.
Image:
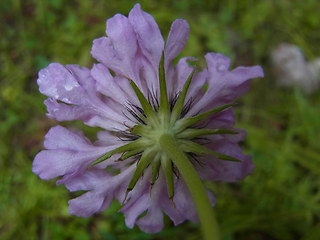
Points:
x=161 y=122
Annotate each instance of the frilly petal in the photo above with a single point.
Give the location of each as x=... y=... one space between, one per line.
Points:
x=75 y=90
x=133 y=210
x=102 y=188
x=58 y=82
x=68 y=153
x=94 y=200
x=224 y=85
x=87 y=204
x=152 y=222
x=118 y=50
x=90 y=116
x=116 y=88
x=184 y=203
x=148 y=35
x=61 y=138
x=181 y=74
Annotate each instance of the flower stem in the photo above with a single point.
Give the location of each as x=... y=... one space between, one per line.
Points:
x=209 y=224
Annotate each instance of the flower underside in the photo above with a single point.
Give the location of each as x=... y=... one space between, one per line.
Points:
x=156 y=118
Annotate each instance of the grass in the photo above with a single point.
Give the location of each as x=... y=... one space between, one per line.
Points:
x=279 y=201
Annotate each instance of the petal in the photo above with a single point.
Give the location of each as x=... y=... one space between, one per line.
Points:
x=219 y=170
x=117 y=88
x=138 y=200
x=172 y=212
x=103 y=188
x=223 y=119
x=148 y=35
x=97 y=199
x=134 y=209
x=89 y=180
x=71 y=154
x=183 y=70
x=152 y=222
x=83 y=77
x=123 y=37
x=89 y=115
x=87 y=204
x=61 y=138
x=223 y=85
x=49 y=164
x=103 y=51
x=105 y=138
x=106 y=83
x=217 y=63
x=119 y=49
x=183 y=201
x=166 y=205
x=58 y=82
x=75 y=89
x=177 y=38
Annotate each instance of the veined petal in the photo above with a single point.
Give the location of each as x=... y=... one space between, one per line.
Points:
x=183 y=202
x=89 y=115
x=88 y=204
x=138 y=200
x=224 y=85
x=153 y=221
x=104 y=52
x=148 y=35
x=105 y=138
x=61 y=138
x=102 y=188
x=123 y=38
x=183 y=71
x=75 y=89
x=107 y=84
x=58 y=82
x=68 y=153
x=228 y=171
x=223 y=119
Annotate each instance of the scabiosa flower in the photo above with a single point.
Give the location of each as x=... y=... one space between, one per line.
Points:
x=153 y=114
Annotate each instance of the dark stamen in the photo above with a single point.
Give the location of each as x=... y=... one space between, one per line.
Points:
x=173 y=100
x=135 y=112
x=153 y=100
x=126 y=136
x=186 y=107
x=175 y=171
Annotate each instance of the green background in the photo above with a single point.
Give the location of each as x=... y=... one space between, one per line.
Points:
x=279 y=201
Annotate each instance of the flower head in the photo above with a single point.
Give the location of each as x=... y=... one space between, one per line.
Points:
x=137 y=95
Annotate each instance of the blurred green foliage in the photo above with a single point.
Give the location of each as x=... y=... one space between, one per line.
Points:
x=279 y=201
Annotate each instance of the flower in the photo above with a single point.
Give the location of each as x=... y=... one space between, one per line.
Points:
x=136 y=95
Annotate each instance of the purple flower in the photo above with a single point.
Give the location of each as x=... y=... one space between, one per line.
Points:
x=122 y=96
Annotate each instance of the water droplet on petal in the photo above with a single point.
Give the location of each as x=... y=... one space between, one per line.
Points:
x=70 y=84
x=221 y=67
x=66 y=100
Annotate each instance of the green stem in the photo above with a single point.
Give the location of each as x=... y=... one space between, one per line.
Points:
x=209 y=224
